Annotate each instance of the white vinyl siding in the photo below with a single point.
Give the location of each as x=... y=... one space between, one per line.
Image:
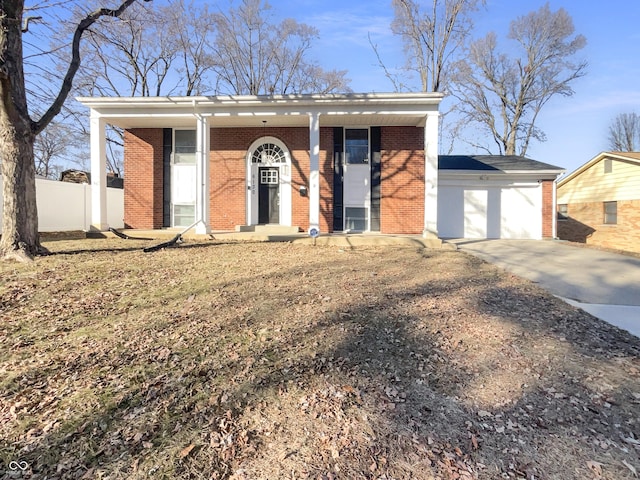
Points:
x=594 y=185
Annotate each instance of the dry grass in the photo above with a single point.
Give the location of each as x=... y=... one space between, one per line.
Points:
x=275 y=361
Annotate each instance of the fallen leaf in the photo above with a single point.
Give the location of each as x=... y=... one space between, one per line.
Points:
x=187 y=306
x=595 y=467
x=186 y=451
x=631 y=467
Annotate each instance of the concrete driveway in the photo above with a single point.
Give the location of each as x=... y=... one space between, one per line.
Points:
x=605 y=284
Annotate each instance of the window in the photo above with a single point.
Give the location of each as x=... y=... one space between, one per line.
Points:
x=184 y=151
x=610 y=213
x=356 y=146
x=268 y=153
x=356 y=219
x=183 y=215
x=269 y=177
x=563 y=211
x=608 y=165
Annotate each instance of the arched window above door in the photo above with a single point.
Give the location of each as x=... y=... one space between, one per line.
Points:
x=268 y=153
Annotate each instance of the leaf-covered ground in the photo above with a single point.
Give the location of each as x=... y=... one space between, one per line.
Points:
x=284 y=361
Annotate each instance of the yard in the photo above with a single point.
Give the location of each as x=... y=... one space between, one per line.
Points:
x=284 y=361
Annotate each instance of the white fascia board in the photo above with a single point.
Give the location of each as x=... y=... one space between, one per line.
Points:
x=279 y=105
x=475 y=176
x=251 y=100
x=475 y=183
x=531 y=173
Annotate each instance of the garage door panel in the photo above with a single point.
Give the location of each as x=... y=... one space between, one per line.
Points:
x=475 y=213
x=490 y=212
x=451 y=212
x=521 y=213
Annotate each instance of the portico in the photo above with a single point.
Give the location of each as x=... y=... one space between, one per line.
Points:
x=356 y=162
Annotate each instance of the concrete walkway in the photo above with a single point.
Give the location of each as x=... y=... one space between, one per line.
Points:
x=605 y=284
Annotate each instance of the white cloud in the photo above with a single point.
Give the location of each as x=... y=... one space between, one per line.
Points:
x=343 y=27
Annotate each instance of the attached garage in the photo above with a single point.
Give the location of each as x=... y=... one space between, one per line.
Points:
x=486 y=196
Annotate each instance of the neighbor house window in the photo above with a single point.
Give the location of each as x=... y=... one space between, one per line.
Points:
x=563 y=211
x=608 y=165
x=610 y=213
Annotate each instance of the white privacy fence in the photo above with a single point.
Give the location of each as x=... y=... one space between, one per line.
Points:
x=64 y=206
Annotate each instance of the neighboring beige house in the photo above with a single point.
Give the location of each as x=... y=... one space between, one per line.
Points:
x=599 y=203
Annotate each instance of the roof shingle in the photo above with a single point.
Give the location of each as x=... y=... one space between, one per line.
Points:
x=492 y=163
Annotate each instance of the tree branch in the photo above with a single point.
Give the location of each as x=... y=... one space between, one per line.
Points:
x=25 y=24
x=74 y=65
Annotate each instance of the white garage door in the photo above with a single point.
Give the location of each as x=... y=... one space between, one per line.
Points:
x=490 y=212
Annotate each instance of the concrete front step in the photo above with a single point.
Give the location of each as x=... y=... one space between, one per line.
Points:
x=268 y=229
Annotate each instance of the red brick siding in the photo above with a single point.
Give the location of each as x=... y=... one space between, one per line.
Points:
x=227 y=178
x=229 y=147
x=402 y=190
x=402 y=184
x=143 y=180
x=548 y=208
x=585 y=225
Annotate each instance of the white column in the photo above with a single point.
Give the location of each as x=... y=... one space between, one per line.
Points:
x=98 y=142
x=203 y=146
x=431 y=176
x=314 y=170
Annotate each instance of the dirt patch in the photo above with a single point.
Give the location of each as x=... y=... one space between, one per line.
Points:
x=273 y=361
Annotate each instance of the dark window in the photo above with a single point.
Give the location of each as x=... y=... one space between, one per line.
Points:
x=563 y=211
x=610 y=213
x=356 y=147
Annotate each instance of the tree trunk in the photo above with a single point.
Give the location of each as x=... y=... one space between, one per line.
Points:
x=20 y=239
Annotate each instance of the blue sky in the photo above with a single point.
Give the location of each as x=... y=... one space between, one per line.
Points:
x=576 y=126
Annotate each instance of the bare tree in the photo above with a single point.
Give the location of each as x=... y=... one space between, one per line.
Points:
x=132 y=58
x=191 y=27
x=504 y=95
x=51 y=146
x=432 y=35
x=20 y=239
x=146 y=55
x=255 y=56
x=624 y=133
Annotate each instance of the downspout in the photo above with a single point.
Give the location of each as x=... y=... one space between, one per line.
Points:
x=554 y=213
x=202 y=172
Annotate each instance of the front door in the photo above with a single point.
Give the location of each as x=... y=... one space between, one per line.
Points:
x=269 y=195
x=357 y=180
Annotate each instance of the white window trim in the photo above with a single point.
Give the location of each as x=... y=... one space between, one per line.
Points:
x=285 y=180
x=367 y=204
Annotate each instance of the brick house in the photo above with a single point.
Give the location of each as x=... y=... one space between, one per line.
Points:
x=599 y=203
x=335 y=163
